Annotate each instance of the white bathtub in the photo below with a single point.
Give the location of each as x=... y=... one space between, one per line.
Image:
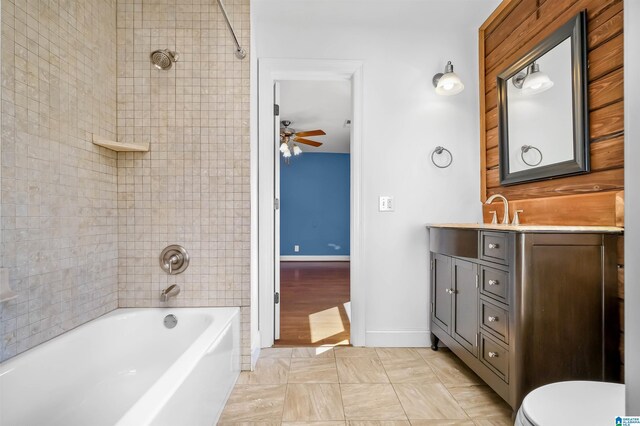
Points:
x=126 y=368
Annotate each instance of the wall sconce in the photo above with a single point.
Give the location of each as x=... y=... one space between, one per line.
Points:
x=447 y=83
x=532 y=80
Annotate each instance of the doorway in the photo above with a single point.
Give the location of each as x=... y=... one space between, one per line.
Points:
x=271 y=71
x=313 y=219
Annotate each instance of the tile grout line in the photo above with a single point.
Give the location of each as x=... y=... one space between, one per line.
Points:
x=396 y=393
x=286 y=389
x=467 y=385
x=335 y=361
x=450 y=394
x=420 y=358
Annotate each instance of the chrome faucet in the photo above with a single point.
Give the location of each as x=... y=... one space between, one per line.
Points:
x=169 y=292
x=505 y=220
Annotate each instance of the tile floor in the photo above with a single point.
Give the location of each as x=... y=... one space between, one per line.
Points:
x=362 y=386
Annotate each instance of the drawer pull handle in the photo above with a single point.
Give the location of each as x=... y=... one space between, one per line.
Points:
x=493 y=354
x=494 y=245
x=493 y=319
x=449 y=290
x=493 y=282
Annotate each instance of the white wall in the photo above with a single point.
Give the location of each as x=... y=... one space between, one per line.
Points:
x=402 y=44
x=632 y=204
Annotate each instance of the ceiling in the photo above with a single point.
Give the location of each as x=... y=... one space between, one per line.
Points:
x=325 y=105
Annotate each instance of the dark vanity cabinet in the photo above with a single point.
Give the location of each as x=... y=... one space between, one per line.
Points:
x=523 y=309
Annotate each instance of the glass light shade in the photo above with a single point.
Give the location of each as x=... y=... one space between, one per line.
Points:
x=296 y=150
x=286 y=154
x=284 y=147
x=449 y=84
x=536 y=82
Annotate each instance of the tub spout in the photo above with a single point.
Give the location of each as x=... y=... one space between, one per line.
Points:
x=169 y=292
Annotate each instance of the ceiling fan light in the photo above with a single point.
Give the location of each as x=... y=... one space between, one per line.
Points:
x=286 y=154
x=296 y=150
x=284 y=147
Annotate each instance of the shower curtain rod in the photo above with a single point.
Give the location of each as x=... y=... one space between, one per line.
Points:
x=240 y=52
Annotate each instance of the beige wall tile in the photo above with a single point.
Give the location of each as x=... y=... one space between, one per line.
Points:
x=59 y=225
x=82 y=226
x=192 y=188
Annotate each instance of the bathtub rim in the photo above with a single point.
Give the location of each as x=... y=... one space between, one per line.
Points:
x=68 y=334
x=176 y=372
x=148 y=406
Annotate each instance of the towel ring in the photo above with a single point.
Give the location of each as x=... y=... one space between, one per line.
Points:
x=526 y=148
x=439 y=150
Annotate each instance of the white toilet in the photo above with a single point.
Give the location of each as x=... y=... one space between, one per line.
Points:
x=572 y=403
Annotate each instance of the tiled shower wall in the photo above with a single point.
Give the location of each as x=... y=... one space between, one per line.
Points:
x=192 y=188
x=59 y=191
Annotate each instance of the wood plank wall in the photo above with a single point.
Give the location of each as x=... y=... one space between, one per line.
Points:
x=520 y=25
x=596 y=198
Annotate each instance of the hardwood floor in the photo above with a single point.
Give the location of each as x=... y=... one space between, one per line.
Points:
x=312 y=303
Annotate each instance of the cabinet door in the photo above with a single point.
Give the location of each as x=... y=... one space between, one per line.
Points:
x=465 y=304
x=441 y=285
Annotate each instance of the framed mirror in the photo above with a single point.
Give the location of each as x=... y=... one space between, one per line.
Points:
x=543 y=109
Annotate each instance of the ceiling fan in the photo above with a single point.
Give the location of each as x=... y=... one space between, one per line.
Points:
x=289 y=139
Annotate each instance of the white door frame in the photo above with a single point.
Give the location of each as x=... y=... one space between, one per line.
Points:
x=271 y=70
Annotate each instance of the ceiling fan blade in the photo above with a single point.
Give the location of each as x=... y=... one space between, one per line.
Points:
x=311 y=133
x=307 y=142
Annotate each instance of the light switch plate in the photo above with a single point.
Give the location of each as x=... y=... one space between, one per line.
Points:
x=296 y=248
x=386 y=203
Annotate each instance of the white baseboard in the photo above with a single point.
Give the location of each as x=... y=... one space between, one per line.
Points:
x=398 y=339
x=314 y=258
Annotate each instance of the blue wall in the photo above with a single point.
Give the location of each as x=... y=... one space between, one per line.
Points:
x=314 y=204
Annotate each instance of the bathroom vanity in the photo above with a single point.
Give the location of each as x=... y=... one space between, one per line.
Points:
x=525 y=306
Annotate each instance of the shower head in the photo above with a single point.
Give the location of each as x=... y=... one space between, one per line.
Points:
x=163 y=59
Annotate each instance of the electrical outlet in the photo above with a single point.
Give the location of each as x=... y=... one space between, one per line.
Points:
x=296 y=248
x=386 y=204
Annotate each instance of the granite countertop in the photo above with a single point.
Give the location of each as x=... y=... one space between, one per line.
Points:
x=530 y=228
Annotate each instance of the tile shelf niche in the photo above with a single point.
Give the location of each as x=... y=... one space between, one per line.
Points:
x=120 y=146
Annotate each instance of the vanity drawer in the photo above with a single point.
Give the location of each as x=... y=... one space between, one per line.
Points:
x=495 y=356
x=495 y=283
x=495 y=319
x=493 y=246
